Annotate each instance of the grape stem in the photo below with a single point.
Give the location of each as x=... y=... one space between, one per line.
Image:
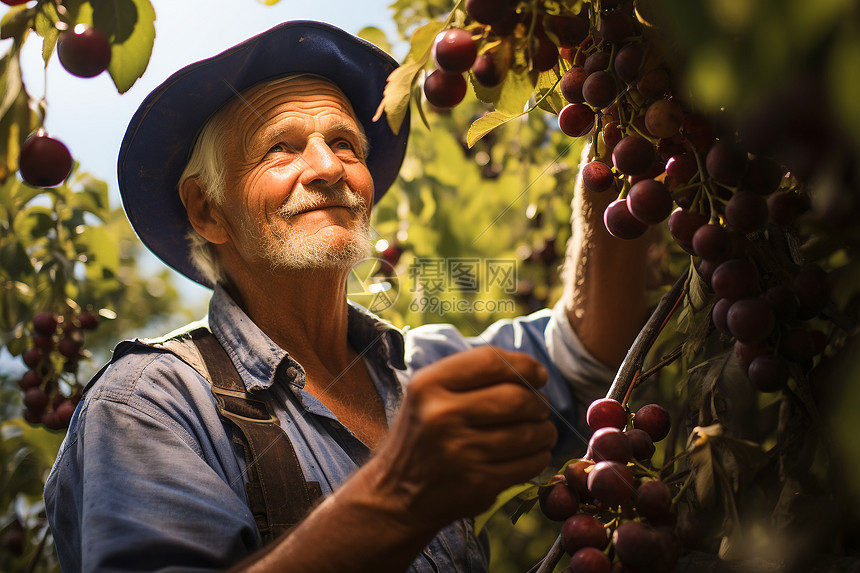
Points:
x=631 y=368
x=551 y=559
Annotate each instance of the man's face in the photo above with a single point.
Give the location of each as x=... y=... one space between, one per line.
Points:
x=297 y=190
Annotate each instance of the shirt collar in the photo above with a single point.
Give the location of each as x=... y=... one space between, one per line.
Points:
x=261 y=362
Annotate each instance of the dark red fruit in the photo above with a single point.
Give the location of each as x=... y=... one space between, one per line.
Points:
x=633 y=155
x=488 y=11
x=35 y=399
x=30 y=379
x=653 y=500
x=641 y=444
x=455 y=51
x=84 y=51
x=680 y=169
x=44 y=161
x=615 y=26
x=70 y=347
x=719 y=315
x=763 y=176
x=627 y=62
x=486 y=72
x=558 y=502
x=545 y=55
x=597 y=177
x=444 y=90
x=746 y=353
x=784 y=207
x=65 y=411
x=606 y=413
x=654 y=83
x=649 y=201
x=611 y=134
x=735 y=279
x=45 y=323
x=14 y=2
x=596 y=62
x=43 y=342
x=32 y=357
x=621 y=223
x=570 y=31
x=768 y=373
x=577 y=478
x=589 y=560
x=576 y=119
x=683 y=225
x=663 y=118
x=746 y=212
x=712 y=242
x=611 y=483
x=609 y=444
x=90 y=321
x=698 y=131
x=571 y=84
x=636 y=544
x=583 y=530
x=600 y=89
x=726 y=163
x=653 y=419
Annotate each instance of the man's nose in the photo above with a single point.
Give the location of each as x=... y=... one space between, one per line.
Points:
x=321 y=164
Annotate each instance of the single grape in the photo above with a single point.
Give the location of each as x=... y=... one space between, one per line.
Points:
x=455 y=51
x=609 y=444
x=583 y=530
x=746 y=212
x=719 y=315
x=735 y=279
x=595 y=62
x=649 y=201
x=712 y=242
x=611 y=483
x=653 y=500
x=620 y=222
x=615 y=26
x=633 y=155
x=571 y=84
x=606 y=413
x=768 y=373
x=486 y=72
x=600 y=89
x=576 y=120
x=444 y=90
x=683 y=224
x=636 y=544
x=726 y=163
x=654 y=83
x=558 y=502
x=663 y=118
x=589 y=560
x=641 y=444
x=597 y=177
x=627 y=62
x=653 y=419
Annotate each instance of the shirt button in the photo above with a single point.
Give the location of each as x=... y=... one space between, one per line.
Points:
x=292 y=372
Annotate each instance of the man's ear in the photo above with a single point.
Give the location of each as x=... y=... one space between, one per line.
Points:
x=203 y=213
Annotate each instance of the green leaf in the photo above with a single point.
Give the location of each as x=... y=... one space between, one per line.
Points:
x=548 y=93
x=398 y=87
x=100 y=249
x=130 y=25
x=516 y=91
x=503 y=498
x=35 y=222
x=16 y=22
x=46 y=26
x=375 y=36
x=487 y=123
x=10 y=77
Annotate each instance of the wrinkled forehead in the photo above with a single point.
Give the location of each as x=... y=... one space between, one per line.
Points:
x=305 y=93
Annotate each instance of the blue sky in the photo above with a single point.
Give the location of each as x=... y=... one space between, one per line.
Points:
x=90 y=117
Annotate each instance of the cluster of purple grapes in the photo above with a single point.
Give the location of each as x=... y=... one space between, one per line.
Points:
x=611 y=505
x=503 y=29
x=58 y=346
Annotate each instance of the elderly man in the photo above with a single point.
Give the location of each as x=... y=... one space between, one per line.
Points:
x=254 y=173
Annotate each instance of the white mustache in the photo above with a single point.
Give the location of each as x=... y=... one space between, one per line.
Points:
x=315 y=198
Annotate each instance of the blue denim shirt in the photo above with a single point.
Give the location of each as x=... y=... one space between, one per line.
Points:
x=148 y=478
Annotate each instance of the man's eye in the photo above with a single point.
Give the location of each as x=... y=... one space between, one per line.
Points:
x=278 y=148
x=343 y=144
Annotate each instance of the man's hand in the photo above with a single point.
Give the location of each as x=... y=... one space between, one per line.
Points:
x=471 y=425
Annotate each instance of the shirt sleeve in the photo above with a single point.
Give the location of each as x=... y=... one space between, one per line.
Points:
x=161 y=491
x=576 y=376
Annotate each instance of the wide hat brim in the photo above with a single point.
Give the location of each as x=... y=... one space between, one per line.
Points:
x=159 y=137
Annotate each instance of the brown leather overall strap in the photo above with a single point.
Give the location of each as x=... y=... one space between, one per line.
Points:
x=278 y=494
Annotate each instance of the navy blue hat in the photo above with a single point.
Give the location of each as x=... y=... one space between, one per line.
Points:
x=158 y=141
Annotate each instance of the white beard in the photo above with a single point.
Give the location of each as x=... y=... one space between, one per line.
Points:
x=287 y=249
